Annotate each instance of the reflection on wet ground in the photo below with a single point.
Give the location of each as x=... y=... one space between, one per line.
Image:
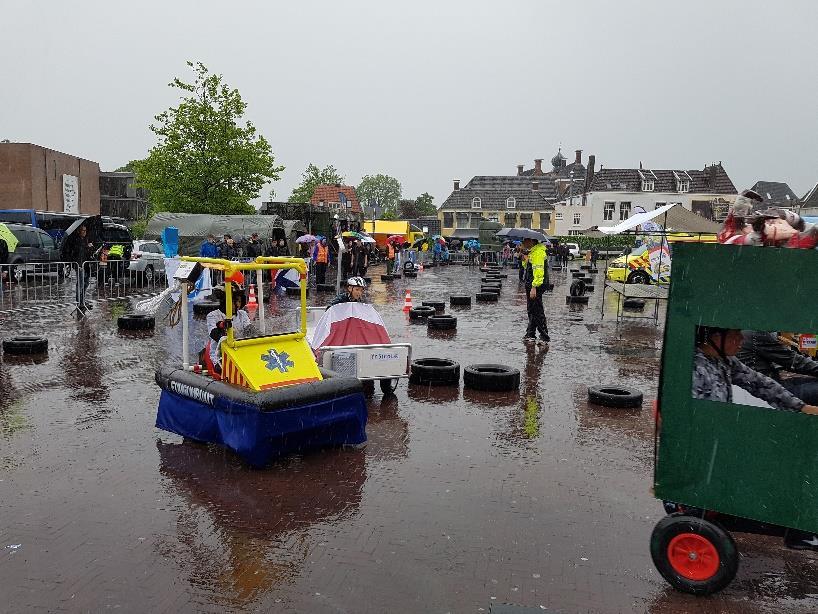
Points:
x=460 y=500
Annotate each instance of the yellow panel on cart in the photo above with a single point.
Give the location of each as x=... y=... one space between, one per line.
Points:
x=269 y=364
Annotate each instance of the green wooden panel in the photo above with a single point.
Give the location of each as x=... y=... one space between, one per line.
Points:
x=752 y=462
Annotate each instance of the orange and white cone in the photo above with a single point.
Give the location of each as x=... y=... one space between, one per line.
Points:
x=252 y=300
x=407 y=302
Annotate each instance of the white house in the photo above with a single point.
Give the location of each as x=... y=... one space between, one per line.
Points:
x=612 y=193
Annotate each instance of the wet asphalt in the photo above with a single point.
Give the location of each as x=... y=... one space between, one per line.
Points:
x=459 y=502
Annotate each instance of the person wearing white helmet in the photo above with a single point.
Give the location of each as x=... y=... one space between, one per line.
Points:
x=354 y=292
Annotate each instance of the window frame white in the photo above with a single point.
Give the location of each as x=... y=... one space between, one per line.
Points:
x=622 y=209
x=511 y=203
x=558 y=216
x=648 y=185
x=476 y=203
x=577 y=220
x=605 y=210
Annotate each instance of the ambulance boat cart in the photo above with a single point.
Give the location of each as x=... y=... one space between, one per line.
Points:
x=272 y=397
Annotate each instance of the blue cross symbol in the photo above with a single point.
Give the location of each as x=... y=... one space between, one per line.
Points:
x=276 y=360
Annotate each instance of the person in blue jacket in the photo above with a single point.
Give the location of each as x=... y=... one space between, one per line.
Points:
x=209 y=249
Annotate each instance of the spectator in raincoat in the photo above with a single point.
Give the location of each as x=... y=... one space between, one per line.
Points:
x=209 y=249
x=536 y=281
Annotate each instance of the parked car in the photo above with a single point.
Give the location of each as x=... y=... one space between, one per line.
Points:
x=34 y=250
x=573 y=250
x=147 y=259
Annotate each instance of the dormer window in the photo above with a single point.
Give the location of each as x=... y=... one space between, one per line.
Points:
x=511 y=203
x=684 y=185
x=476 y=203
x=648 y=180
x=647 y=185
x=682 y=181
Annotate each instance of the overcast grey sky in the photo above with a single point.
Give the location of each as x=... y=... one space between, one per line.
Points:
x=428 y=91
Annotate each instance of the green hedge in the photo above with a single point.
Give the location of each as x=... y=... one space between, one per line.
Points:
x=610 y=242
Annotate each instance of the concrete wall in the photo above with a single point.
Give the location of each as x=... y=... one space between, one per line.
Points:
x=31 y=178
x=593 y=212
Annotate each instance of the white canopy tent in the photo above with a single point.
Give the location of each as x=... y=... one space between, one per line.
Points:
x=672 y=217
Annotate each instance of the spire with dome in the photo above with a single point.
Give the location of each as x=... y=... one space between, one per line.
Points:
x=558 y=161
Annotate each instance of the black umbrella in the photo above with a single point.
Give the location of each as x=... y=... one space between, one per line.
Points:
x=523 y=233
x=93 y=227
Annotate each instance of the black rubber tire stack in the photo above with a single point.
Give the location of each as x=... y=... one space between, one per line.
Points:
x=442 y=322
x=136 y=321
x=387 y=277
x=614 y=396
x=577 y=300
x=487 y=297
x=421 y=313
x=25 y=346
x=459 y=301
x=325 y=287
x=491 y=289
x=634 y=304
x=438 y=306
x=577 y=287
x=434 y=372
x=410 y=274
x=491 y=377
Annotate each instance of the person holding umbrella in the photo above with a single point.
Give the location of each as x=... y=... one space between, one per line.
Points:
x=77 y=247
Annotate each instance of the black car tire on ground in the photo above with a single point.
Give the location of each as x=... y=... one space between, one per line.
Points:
x=495 y=378
x=577 y=287
x=295 y=291
x=325 y=287
x=589 y=287
x=438 y=306
x=491 y=290
x=387 y=278
x=502 y=275
x=615 y=396
x=459 y=300
x=446 y=322
x=395 y=275
x=434 y=371
x=408 y=266
x=420 y=313
x=634 y=303
x=136 y=321
x=487 y=297
x=577 y=300
x=25 y=345
x=430 y=265
x=638 y=277
x=410 y=274
x=694 y=555
x=205 y=307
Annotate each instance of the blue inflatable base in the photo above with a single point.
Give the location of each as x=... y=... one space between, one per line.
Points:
x=261 y=436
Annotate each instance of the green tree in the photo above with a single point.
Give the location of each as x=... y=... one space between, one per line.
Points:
x=424 y=204
x=205 y=160
x=130 y=167
x=381 y=189
x=313 y=177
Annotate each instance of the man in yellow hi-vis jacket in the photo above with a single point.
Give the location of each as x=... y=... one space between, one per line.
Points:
x=536 y=281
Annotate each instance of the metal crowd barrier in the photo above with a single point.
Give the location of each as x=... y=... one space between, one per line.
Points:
x=23 y=285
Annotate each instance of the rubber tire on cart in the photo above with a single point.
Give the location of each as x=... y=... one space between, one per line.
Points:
x=487 y=297
x=136 y=321
x=577 y=287
x=577 y=300
x=387 y=278
x=614 y=396
x=694 y=555
x=494 y=378
x=459 y=300
x=325 y=287
x=634 y=303
x=17 y=346
x=438 y=306
x=410 y=274
x=442 y=322
x=205 y=307
x=420 y=313
x=434 y=371
x=638 y=277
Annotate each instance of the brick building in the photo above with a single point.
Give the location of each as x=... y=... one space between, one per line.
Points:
x=35 y=177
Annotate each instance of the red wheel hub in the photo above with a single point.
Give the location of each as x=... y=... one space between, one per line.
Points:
x=693 y=556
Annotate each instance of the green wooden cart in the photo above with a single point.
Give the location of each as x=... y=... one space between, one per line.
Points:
x=729 y=467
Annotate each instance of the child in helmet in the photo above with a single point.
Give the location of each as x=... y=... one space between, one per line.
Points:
x=354 y=292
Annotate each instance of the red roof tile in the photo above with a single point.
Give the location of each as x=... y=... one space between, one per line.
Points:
x=329 y=194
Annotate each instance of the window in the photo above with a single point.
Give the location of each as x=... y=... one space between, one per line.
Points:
x=476 y=203
x=684 y=185
x=577 y=219
x=448 y=220
x=608 y=212
x=647 y=185
x=48 y=242
x=462 y=220
x=574 y=233
x=545 y=220
x=525 y=221
x=511 y=203
x=624 y=211
x=559 y=215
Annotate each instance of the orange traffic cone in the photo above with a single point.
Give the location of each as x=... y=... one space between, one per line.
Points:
x=407 y=302
x=252 y=300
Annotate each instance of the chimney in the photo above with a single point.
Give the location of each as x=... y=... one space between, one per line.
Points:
x=589 y=175
x=456 y=185
x=538 y=166
x=578 y=159
x=535 y=185
x=520 y=169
